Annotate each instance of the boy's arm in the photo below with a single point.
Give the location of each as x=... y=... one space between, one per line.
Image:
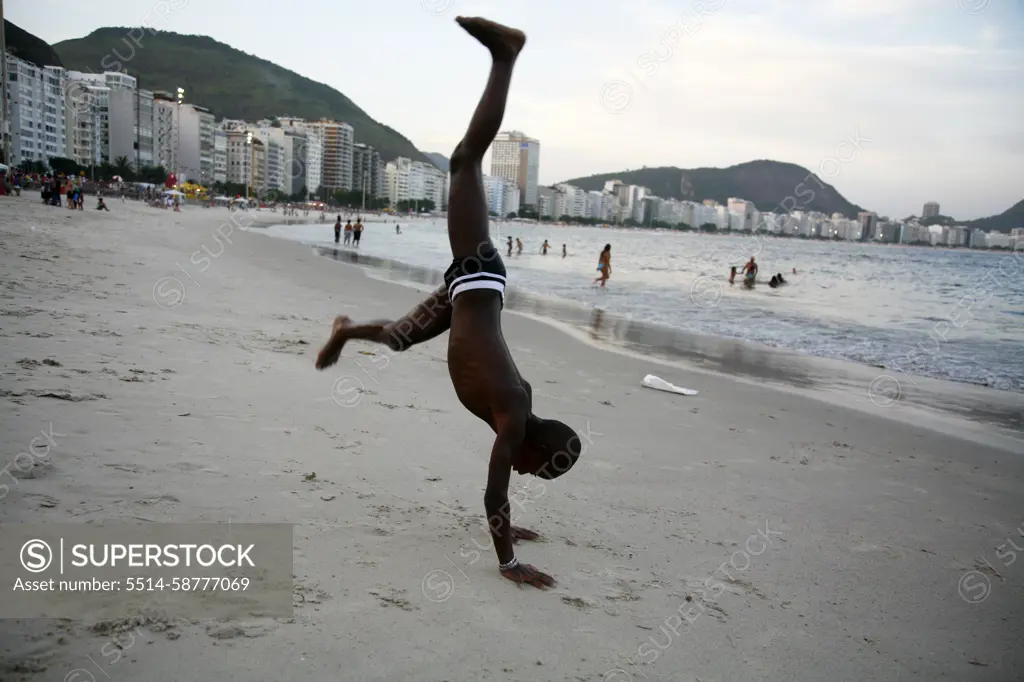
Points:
x=511 y=432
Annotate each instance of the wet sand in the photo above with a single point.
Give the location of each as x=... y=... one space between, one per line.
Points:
x=757 y=531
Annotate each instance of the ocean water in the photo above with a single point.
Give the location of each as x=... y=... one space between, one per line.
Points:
x=949 y=314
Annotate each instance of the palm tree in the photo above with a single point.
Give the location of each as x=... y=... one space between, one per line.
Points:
x=122 y=167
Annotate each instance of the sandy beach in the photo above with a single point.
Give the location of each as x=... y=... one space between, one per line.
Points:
x=747 y=533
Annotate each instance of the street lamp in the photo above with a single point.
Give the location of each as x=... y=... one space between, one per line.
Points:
x=248 y=141
x=177 y=143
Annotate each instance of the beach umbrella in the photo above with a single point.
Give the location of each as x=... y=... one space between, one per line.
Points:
x=174 y=193
x=3 y=168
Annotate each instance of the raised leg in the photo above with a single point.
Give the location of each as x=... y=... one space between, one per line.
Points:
x=468 y=220
x=431 y=318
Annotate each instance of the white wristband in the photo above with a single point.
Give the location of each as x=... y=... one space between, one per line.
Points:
x=509 y=565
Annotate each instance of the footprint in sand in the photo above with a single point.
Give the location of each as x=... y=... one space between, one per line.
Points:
x=389 y=596
x=159 y=500
x=307 y=595
x=126 y=468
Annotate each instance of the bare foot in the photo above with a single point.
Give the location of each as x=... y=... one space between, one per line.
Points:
x=504 y=43
x=331 y=351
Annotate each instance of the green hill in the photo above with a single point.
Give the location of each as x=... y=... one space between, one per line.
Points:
x=1004 y=222
x=768 y=184
x=24 y=45
x=227 y=81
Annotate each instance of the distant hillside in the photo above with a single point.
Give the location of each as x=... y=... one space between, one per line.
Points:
x=765 y=183
x=438 y=160
x=227 y=81
x=1004 y=222
x=24 y=45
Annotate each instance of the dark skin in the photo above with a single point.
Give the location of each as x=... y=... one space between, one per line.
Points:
x=486 y=379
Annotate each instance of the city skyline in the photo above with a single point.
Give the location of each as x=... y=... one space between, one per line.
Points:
x=934 y=89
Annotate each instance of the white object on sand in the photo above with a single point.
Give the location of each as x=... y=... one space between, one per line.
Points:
x=659 y=384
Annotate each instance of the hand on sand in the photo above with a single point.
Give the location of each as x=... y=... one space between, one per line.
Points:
x=523 y=534
x=525 y=573
x=331 y=351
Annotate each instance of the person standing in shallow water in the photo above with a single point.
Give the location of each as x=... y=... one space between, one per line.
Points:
x=348 y=233
x=604 y=265
x=357 y=231
x=564 y=254
x=519 y=247
x=337 y=230
x=469 y=304
x=510 y=245
x=544 y=248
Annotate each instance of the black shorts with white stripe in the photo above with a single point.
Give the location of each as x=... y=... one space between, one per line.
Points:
x=484 y=271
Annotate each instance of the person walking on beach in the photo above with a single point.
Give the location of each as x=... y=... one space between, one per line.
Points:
x=604 y=265
x=544 y=248
x=337 y=230
x=357 y=231
x=348 y=232
x=469 y=304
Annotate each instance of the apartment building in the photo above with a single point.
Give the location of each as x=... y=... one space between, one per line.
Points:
x=337 y=140
x=367 y=170
x=37 y=123
x=165 y=131
x=196 y=135
x=307 y=163
x=220 y=156
x=516 y=157
x=409 y=180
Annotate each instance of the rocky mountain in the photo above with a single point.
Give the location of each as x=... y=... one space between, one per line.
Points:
x=770 y=185
x=1004 y=222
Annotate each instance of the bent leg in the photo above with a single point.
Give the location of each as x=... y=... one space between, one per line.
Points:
x=468 y=219
x=431 y=318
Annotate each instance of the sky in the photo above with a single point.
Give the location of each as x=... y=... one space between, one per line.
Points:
x=894 y=102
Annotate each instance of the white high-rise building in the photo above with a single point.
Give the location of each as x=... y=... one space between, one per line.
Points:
x=196 y=144
x=240 y=156
x=336 y=139
x=165 y=131
x=311 y=157
x=516 y=157
x=511 y=199
x=409 y=180
x=88 y=103
x=129 y=120
x=278 y=172
x=35 y=101
x=494 y=190
x=367 y=170
x=276 y=167
x=396 y=175
x=220 y=156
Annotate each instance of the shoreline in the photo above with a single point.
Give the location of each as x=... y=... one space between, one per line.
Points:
x=876 y=389
x=818 y=527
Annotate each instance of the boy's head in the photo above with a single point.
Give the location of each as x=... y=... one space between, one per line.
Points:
x=550 y=448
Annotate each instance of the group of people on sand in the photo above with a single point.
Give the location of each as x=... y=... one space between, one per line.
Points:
x=750 y=273
x=353 y=233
